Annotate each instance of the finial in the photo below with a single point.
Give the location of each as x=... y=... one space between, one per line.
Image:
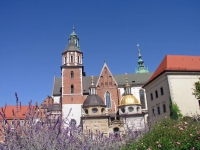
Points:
x=139 y=55
x=126 y=78
x=73 y=28
x=92 y=80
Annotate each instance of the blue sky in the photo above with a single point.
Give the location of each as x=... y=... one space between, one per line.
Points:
x=33 y=34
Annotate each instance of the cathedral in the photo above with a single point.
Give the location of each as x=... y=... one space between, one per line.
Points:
x=108 y=103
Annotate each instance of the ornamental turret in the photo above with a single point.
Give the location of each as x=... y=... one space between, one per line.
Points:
x=141 y=67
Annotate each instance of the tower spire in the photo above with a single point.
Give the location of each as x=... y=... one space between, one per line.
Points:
x=74 y=36
x=141 y=67
x=127 y=87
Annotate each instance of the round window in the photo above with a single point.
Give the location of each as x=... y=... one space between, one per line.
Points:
x=138 y=108
x=123 y=110
x=94 y=110
x=86 y=111
x=73 y=122
x=130 y=109
x=102 y=110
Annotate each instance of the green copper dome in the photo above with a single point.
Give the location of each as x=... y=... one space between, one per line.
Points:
x=75 y=37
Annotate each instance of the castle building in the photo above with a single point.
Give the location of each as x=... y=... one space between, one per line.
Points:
x=73 y=89
x=174 y=81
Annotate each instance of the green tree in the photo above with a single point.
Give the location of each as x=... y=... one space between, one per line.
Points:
x=196 y=89
x=175 y=112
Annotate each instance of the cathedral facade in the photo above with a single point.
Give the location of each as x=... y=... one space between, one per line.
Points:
x=100 y=100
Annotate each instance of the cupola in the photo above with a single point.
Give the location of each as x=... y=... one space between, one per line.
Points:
x=129 y=103
x=93 y=104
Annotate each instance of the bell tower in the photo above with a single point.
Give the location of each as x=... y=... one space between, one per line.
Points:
x=72 y=73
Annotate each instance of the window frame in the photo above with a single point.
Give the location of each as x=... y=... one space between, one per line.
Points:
x=72 y=74
x=161 y=91
x=158 y=110
x=72 y=89
x=151 y=95
x=164 y=108
x=108 y=102
x=142 y=99
x=153 y=112
x=156 y=93
x=71 y=59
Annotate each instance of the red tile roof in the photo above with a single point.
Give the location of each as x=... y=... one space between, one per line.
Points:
x=177 y=63
x=10 y=109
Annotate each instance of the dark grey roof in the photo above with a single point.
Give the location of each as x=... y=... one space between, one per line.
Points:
x=72 y=46
x=55 y=107
x=93 y=100
x=87 y=83
x=135 y=79
x=57 y=87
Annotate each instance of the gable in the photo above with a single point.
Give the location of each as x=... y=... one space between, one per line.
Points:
x=106 y=79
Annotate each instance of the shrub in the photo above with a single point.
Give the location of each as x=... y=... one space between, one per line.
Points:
x=45 y=133
x=169 y=134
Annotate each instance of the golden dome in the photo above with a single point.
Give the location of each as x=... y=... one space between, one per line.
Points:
x=129 y=100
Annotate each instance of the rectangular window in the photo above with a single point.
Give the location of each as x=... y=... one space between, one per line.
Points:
x=199 y=103
x=164 y=108
x=142 y=99
x=156 y=92
x=151 y=96
x=161 y=91
x=65 y=60
x=22 y=122
x=12 y=122
x=158 y=109
x=153 y=112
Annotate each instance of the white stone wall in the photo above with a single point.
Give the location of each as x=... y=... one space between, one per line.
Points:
x=177 y=87
x=181 y=89
x=161 y=81
x=56 y=99
x=134 y=123
x=75 y=112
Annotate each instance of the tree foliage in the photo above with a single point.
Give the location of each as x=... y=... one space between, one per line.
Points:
x=196 y=89
x=175 y=112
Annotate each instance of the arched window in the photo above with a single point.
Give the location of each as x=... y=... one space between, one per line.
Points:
x=142 y=99
x=72 y=88
x=78 y=60
x=72 y=74
x=108 y=100
x=71 y=59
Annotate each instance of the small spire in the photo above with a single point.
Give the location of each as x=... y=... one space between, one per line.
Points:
x=127 y=87
x=141 y=67
x=73 y=29
x=139 y=55
x=126 y=78
x=92 y=80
